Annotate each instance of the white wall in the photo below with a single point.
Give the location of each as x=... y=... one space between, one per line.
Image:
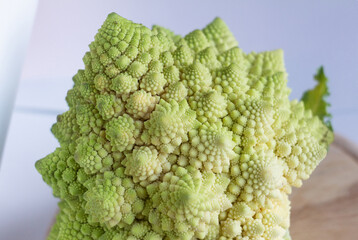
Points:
x=16 y=18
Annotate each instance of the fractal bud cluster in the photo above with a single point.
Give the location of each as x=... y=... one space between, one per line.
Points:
x=171 y=137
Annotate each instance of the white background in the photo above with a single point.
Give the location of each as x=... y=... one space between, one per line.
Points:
x=311 y=33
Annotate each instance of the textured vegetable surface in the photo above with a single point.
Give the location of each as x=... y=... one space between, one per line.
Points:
x=180 y=138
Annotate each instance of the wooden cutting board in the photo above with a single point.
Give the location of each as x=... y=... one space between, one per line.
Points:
x=326 y=206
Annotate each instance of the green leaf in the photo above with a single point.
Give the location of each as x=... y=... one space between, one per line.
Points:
x=315 y=99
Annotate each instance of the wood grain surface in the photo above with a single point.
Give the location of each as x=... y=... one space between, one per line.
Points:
x=326 y=206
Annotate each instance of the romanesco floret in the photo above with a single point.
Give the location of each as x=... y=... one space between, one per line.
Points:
x=171 y=137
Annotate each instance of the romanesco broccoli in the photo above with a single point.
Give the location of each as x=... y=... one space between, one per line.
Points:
x=181 y=138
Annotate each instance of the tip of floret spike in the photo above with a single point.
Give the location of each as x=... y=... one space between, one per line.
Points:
x=114 y=18
x=38 y=165
x=218 y=23
x=218 y=20
x=187 y=197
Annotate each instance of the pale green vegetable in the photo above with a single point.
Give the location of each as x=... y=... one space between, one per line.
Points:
x=181 y=138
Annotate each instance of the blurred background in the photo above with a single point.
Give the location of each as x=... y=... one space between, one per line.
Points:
x=311 y=33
